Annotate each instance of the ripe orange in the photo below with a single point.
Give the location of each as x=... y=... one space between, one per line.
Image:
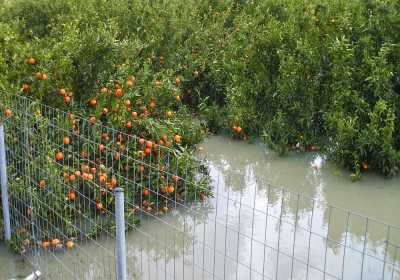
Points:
x=67 y=99
x=93 y=103
x=25 y=87
x=7 y=112
x=118 y=92
x=178 y=98
x=67 y=141
x=39 y=75
x=104 y=90
x=117 y=156
x=101 y=147
x=155 y=147
x=128 y=125
x=147 y=151
x=178 y=138
x=55 y=242
x=99 y=206
x=31 y=61
x=59 y=156
x=365 y=166
x=130 y=83
x=127 y=102
x=42 y=184
x=71 y=196
x=102 y=179
x=177 y=81
x=62 y=92
x=72 y=178
x=134 y=114
x=158 y=83
x=175 y=178
x=170 y=189
x=69 y=245
x=146 y=192
x=45 y=244
x=238 y=130
x=149 y=144
x=44 y=77
x=141 y=141
x=113 y=182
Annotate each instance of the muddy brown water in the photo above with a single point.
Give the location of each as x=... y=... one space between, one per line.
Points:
x=227 y=237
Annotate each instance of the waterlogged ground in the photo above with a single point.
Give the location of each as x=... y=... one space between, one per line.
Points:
x=236 y=234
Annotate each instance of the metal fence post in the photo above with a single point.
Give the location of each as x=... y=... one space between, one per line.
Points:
x=4 y=187
x=120 y=233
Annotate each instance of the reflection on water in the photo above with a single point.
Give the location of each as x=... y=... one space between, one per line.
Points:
x=237 y=234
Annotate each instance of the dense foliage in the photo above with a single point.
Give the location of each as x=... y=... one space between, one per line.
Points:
x=300 y=74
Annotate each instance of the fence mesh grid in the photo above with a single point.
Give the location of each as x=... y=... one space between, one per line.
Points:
x=62 y=171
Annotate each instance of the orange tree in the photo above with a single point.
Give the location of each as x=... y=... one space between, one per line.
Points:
x=314 y=75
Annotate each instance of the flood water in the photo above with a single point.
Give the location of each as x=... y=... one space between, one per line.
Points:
x=237 y=234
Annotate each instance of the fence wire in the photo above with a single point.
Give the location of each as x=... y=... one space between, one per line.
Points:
x=62 y=171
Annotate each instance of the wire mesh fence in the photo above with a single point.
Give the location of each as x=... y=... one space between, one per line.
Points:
x=62 y=174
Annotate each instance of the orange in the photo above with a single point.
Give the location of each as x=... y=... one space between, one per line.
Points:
x=39 y=75
x=130 y=83
x=71 y=196
x=55 y=242
x=128 y=125
x=45 y=244
x=67 y=141
x=101 y=147
x=59 y=156
x=31 y=61
x=67 y=99
x=175 y=178
x=93 y=103
x=147 y=151
x=69 y=245
x=72 y=177
x=25 y=87
x=99 y=206
x=102 y=179
x=7 y=113
x=118 y=92
x=62 y=92
x=170 y=189
x=178 y=138
x=146 y=192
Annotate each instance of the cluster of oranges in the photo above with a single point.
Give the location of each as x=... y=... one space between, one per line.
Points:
x=89 y=160
x=56 y=243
